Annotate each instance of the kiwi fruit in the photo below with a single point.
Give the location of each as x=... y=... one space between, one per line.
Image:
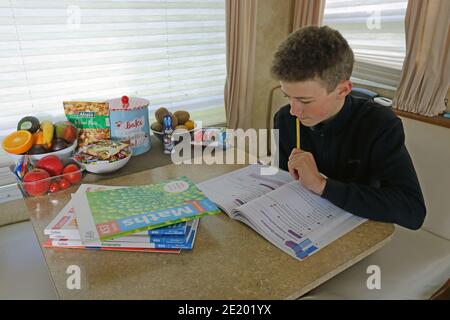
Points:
x=174 y=120
x=28 y=123
x=181 y=127
x=182 y=116
x=156 y=126
x=160 y=113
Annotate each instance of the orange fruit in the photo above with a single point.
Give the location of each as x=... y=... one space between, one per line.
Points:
x=18 y=142
x=38 y=138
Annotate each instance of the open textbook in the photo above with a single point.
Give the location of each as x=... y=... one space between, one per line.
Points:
x=280 y=209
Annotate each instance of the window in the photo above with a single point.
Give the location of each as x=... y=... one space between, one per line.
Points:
x=375 y=31
x=171 y=52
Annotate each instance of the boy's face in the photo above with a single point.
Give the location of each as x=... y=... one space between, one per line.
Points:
x=310 y=101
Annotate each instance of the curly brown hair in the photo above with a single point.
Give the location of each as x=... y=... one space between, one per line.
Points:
x=314 y=53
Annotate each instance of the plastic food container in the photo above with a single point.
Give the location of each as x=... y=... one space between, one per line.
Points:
x=46 y=186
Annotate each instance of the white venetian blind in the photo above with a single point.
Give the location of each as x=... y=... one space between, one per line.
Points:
x=170 y=52
x=375 y=31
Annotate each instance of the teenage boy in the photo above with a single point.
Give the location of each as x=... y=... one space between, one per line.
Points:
x=357 y=144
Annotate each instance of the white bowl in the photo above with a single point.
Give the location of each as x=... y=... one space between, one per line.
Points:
x=63 y=154
x=159 y=134
x=106 y=166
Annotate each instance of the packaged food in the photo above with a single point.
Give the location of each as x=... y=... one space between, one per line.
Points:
x=214 y=137
x=91 y=118
x=105 y=150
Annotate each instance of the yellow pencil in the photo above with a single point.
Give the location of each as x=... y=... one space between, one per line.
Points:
x=298 y=133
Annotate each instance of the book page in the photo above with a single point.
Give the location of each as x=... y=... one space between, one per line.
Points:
x=236 y=188
x=296 y=220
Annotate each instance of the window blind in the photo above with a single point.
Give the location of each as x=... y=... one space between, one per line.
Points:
x=169 y=52
x=375 y=31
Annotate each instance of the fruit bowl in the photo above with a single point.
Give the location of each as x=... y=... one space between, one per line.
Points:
x=175 y=136
x=63 y=154
x=39 y=139
x=41 y=184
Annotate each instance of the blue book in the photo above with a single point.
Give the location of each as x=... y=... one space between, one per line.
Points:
x=188 y=241
x=159 y=238
x=174 y=229
x=163 y=238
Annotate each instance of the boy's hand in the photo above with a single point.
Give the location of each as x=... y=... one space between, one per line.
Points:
x=302 y=167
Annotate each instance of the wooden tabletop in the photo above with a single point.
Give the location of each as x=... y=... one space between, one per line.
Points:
x=229 y=260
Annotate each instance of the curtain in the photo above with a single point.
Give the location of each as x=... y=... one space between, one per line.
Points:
x=308 y=13
x=425 y=78
x=240 y=58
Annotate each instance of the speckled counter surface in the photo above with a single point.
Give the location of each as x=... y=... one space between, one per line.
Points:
x=229 y=260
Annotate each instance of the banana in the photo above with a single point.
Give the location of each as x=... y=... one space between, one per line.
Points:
x=47 y=130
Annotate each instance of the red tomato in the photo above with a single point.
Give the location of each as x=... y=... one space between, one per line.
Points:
x=64 y=183
x=72 y=173
x=54 y=187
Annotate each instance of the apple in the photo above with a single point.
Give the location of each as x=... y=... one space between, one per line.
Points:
x=52 y=164
x=36 y=182
x=65 y=130
x=72 y=173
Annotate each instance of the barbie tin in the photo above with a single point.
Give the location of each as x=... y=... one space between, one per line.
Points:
x=129 y=121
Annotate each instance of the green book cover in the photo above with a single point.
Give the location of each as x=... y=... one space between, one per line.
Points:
x=119 y=212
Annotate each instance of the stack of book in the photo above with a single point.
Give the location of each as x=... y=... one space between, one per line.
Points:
x=162 y=217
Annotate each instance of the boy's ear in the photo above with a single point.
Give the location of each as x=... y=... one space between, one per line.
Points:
x=344 y=88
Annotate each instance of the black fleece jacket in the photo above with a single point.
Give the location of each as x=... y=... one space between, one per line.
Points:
x=362 y=152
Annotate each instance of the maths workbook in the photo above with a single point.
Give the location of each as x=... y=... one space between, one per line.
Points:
x=64 y=225
x=109 y=214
